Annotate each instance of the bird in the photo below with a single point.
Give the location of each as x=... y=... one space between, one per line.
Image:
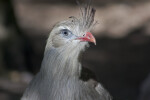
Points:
x=62 y=76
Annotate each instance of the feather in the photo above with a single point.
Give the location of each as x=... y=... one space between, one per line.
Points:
x=87 y=13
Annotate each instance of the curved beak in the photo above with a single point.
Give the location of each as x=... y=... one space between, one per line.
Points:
x=87 y=37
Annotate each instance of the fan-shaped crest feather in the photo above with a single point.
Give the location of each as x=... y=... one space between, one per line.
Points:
x=86 y=20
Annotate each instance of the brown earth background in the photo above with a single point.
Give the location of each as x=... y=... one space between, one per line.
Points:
x=121 y=58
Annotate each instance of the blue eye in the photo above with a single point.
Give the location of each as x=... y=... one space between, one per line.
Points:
x=66 y=33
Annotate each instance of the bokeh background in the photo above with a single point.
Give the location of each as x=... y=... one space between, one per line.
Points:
x=121 y=58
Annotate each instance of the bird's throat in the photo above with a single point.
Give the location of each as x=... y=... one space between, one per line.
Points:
x=61 y=65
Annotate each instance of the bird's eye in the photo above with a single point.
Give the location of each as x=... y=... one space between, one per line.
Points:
x=66 y=33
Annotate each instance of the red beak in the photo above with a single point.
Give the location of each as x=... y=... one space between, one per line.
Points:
x=88 y=37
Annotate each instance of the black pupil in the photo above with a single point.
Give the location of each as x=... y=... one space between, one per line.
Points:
x=65 y=33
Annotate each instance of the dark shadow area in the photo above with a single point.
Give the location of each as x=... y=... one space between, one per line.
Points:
x=127 y=60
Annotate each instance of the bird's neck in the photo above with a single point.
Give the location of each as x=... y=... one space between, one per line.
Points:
x=62 y=65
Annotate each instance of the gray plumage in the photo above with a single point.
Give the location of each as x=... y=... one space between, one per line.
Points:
x=60 y=76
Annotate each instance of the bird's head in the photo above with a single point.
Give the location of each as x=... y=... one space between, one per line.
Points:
x=74 y=33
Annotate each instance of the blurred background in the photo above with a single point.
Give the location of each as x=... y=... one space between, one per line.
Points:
x=121 y=58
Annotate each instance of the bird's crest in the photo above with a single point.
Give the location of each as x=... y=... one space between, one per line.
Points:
x=87 y=13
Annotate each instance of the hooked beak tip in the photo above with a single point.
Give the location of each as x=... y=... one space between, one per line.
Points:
x=94 y=41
